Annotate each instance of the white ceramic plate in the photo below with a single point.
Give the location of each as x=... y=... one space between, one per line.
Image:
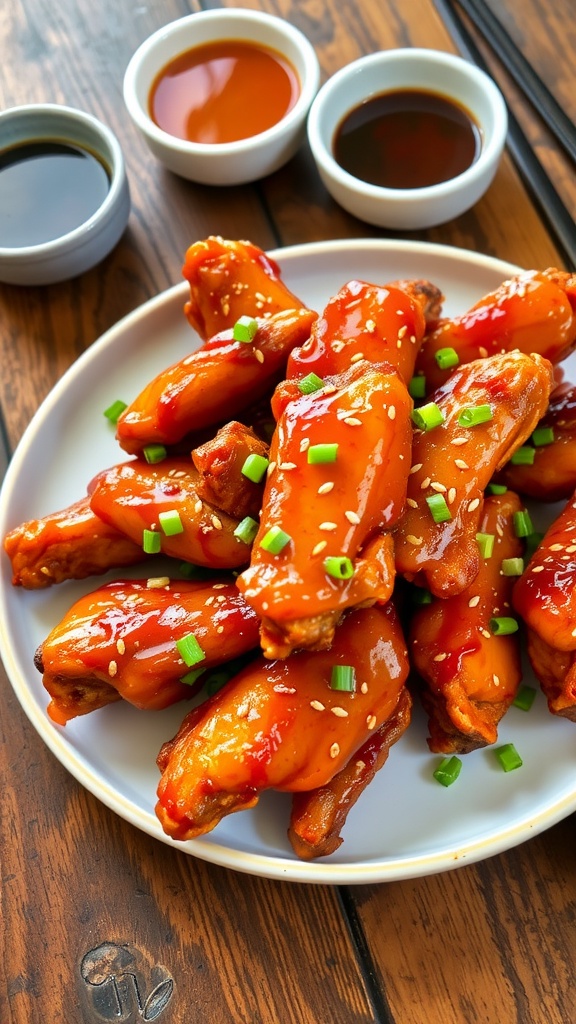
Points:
x=405 y=824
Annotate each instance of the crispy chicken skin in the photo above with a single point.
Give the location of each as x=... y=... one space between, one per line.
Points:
x=119 y=642
x=459 y=462
x=318 y=816
x=213 y=383
x=337 y=509
x=469 y=677
x=556 y=673
x=552 y=475
x=378 y=323
x=132 y=495
x=229 y=279
x=219 y=463
x=67 y=545
x=279 y=725
x=534 y=312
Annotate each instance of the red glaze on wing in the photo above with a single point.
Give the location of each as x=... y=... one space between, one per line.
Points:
x=279 y=725
x=120 y=642
x=336 y=508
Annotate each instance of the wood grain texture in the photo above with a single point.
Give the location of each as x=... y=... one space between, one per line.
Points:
x=486 y=943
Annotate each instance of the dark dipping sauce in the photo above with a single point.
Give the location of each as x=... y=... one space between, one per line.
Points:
x=47 y=189
x=407 y=138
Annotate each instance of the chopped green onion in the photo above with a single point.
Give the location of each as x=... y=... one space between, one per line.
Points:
x=319 y=453
x=448 y=770
x=523 y=456
x=522 y=523
x=428 y=416
x=543 y=436
x=338 y=566
x=533 y=541
x=496 y=488
x=503 y=625
x=245 y=329
x=446 y=358
x=417 y=386
x=170 y=522
x=512 y=566
x=189 y=650
x=275 y=540
x=472 y=415
x=524 y=699
x=246 y=530
x=114 y=411
x=343 y=678
x=151 y=542
x=215 y=681
x=191 y=677
x=255 y=467
x=438 y=508
x=421 y=596
x=154 y=453
x=308 y=385
x=486 y=544
x=508 y=757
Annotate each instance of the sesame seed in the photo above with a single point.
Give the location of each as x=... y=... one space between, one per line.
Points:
x=112 y=668
x=412 y=502
x=436 y=486
x=451 y=495
x=482 y=352
x=216 y=523
x=425 y=483
x=403 y=330
x=460 y=464
x=327 y=526
x=473 y=505
x=198 y=506
x=571 y=548
x=486 y=633
x=414 y=540
x=415 y=467
x=304 y=444
x=157 y=582
x=219 y=629
x=459 y=440
x=339 y=712
x=270 y=468
x=337 y=346
x=495 y=680
x=242 y=710
x=287 y=465
x=364 y=688
x=317 y=705
x=360 y=765
x=326 y=488
x=556 y=547
x=120 y=646
x=209 y=600
x=370 y=326
x=371 y=721
x=474 y=601
x=392 y=412
x=538 y=568
x=357 y=357
x=440 y=657
x=352 y=517
x=334 y=750
x=352 y=421
x=319 y=547
x=219 y=586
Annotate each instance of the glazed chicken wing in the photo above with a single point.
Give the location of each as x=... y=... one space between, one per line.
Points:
x=213 y=384
x=280 y=725
x=534 y=312
x=134 y=497
x=337 y=483
x=453 y=464
x=220 y=462
x=469 y=675
x=229 y=279
x=120 y=642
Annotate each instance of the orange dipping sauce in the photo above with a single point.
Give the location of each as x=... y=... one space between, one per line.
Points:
x=223 y=92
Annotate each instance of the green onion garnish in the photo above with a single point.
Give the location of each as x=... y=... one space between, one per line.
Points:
x=438 y=508
x=338 y=566
x=275 y=540
x=426 y=417
x=319 y=453
x=246 y=530
x=245 y=329
x=448 y=770
x=170 y=522
x=522 y=523
x=421 y=596
x=417 y=386
x=503 y=625
x=508 y=757
x=215 y=681
x=190 y=678
x=151 y=542
x=523 y=456
x=524 y=699
x=472 y=415
x=543 y=436
x=114 y=411
x=255 y=467
x=486 y=544
x=308 y=385
x=446 y=358
x=533 y=541
x=496 y=488
x=343 y=678
x=154 y=453
x=512 y=566
x=189 y=650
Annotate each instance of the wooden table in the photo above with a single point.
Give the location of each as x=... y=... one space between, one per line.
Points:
x=489 y=942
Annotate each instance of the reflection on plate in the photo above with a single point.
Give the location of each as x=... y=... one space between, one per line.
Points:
x=405 y=824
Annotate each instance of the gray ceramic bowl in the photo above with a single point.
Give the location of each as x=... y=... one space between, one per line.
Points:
x=81 y=248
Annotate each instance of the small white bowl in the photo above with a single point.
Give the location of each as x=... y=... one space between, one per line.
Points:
x=92 y=240
x=388 y=70
x=231 y=163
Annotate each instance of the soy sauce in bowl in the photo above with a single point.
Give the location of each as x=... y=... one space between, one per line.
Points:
x=406 y=139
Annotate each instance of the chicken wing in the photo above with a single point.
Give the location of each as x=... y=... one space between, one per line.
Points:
x=340 y=459
x=220 y=462
x=280 y=725
x=469 y=675
x=453 y=464
x=119 y=642
x=534 y=312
